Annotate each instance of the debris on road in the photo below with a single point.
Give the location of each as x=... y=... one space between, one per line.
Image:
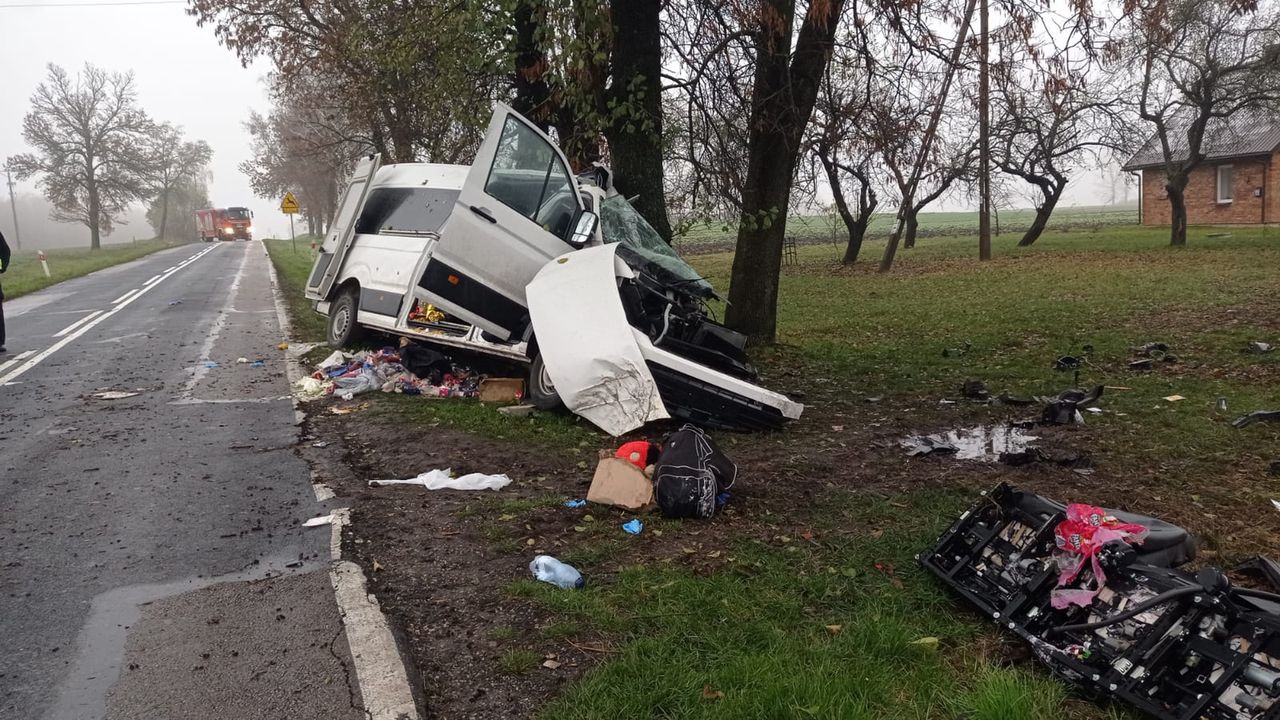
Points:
x=114 y=394
x=1256 y=416
x=1169 y=643
x=318 y=521
x=980 y=442
x=550 y=570
x=209 y=364
x=397 y=370
x=1065 y=408
x=690 y=473
x=444 y=480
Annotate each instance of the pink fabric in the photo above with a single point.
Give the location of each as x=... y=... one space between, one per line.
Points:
x=1079 y=537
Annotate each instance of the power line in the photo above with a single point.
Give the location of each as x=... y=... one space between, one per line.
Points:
x=107 y=3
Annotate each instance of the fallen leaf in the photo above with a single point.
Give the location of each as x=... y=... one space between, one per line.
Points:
x=835 y=629
x=899 y=504
x=927 y=643
x=504 y=518
x=837 y=428
x=550 y=664
x=579 y=528
x=1174 y=398
x=877 y=533
x=807 y=534
x=377 y=566
x=713 y=554
x=530 y=541
x=588 y=518
x=709 y=694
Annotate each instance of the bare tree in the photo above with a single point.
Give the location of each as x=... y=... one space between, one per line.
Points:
x=1200 y=63
x=90 y=141
x=171 y=162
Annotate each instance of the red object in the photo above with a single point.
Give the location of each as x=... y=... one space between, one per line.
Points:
x=224 y=224
x=636 y=453
x=1086 y=529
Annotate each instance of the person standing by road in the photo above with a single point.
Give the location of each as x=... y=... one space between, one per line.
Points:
x=4 y=266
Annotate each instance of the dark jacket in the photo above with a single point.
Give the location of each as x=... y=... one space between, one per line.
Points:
x=4 y=259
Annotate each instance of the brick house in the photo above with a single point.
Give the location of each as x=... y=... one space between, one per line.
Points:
x=1238 y=182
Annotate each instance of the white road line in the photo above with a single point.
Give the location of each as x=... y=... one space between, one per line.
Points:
x=127 y=296
x=67 y=340
x=77 y=323
x=15 y=360
x=153 y=279
x=215 y=330
x=168 y=270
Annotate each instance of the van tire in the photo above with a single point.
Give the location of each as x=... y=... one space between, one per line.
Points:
x=344 y=328
x=542 y=391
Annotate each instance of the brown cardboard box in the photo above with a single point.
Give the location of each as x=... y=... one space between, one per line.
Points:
x=618 y=482
x=501 y=389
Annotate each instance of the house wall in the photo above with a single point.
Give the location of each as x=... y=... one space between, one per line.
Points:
x=1202 y=194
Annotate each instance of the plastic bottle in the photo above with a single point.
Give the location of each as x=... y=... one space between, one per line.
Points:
x=550 y=570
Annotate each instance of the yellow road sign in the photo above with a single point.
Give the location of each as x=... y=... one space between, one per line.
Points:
x=289 y=205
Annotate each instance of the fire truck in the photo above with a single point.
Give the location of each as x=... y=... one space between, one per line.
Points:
x=233 y=223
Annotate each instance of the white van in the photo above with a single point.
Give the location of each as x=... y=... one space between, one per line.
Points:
x=529 y=263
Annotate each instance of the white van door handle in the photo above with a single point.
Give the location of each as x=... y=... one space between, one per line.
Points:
x=484 y=213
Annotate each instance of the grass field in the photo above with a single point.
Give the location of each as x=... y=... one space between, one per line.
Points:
x=789 y=611
x=25 y=274
x=293 y=266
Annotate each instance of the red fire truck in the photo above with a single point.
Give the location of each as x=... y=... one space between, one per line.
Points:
x=233 y=223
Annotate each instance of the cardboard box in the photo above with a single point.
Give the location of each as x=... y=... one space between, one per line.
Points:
x=504 y=390
x=618 y=482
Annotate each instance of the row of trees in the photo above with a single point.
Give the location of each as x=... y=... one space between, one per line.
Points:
x=96 y=152
x=746 y=110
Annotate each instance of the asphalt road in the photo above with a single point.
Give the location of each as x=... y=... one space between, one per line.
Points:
x=154 y=563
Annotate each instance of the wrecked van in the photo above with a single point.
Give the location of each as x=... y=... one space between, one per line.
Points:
x=517 y=258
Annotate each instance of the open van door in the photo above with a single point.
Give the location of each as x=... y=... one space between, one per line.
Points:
x=517 y=210
x=342 y=230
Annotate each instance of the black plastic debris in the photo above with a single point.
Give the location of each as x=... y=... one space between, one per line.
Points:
x=981 y=442
x=1156 y=351
x=1256 y=416
x=1065 y=409
x=1262 y=567
x=957 y=351
x=1275 y=468
x=1067 y=362
x=975 y=390
x=692 y=475
x=1259 y=347
x=1171 y=644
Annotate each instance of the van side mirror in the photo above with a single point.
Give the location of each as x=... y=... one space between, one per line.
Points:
x=585 y=229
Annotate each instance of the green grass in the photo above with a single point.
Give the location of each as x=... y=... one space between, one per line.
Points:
x=25 y=274
x=292 y=268
x=518 y=661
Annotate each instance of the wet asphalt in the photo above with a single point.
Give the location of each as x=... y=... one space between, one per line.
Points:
x=154 y=564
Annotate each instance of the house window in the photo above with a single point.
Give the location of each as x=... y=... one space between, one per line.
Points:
x=1224 y=184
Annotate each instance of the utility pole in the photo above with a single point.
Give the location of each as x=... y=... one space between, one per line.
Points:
x=17 y=238
x=984 y=139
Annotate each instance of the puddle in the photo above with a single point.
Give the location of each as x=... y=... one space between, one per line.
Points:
x=975 y=443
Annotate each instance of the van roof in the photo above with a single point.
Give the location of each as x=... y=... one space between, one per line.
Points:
x=420 y=174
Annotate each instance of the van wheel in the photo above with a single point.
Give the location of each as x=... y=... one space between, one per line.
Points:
x=542 y=391
x=343 y=328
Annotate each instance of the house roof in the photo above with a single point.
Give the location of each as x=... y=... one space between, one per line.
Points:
x=1246 y=133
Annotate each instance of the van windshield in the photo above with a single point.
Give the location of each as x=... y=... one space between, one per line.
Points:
x=620 y=223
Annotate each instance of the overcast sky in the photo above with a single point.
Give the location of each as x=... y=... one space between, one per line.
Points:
x=182 y=76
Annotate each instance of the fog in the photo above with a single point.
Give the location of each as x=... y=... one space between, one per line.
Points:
x=181 y=74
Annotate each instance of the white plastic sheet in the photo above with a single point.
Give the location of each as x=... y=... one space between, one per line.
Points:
x=444 y=480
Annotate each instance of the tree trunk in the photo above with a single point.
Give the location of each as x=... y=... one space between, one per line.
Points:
x=1178 y=216
x=635 y=135
x=913 y=224
x=95 y=214
x=1042 y=218
x=164 y=212
x=782 y=97
x=856 y=230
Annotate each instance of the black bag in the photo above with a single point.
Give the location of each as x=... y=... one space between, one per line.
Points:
x=690 y=473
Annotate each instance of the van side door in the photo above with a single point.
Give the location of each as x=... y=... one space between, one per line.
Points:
x=342 y=230
x=514 y=214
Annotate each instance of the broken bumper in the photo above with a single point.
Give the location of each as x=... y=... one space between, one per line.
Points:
x=1168 y=643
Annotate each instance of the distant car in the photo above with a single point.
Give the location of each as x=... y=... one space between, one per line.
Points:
x=522 y=260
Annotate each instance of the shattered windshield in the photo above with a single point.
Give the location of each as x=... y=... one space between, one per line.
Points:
x=619 y=222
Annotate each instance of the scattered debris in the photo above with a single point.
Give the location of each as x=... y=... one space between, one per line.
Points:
x=318 y=521
x=257 y=364
x=551 y=663
x=975 y=390
x=1262 y=566
x=175 y=302
x=518 y=410
x=1067 y=362
x=1173 y=398
x=1156 y=351
x=348 y=409
x=1256 y=416
x=320 y=444
x=926 y=643
x=617 y=482
x=633 y=526
x=1275 y=504
x=975 y=443
x=575 y=503
x=283 y=346
x=640 y=453
x=1065 y=409
x=834 y=629
x=242 y=361
x=1259 y=347
x=209 y=364
x=690 y=474
x=1275 y=468
x=114 y=394
x=503 y=390
x=963 y=349
x=444 y=480
x=709 y=694
x=550 y=570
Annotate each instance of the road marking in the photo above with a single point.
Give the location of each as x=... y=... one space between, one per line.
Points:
x=215 y=330
x=15 y=360
x=67 y=340
x=127 y=296
x=169 y=269
x=384 y=684
x=77 y=323
x=153 y=279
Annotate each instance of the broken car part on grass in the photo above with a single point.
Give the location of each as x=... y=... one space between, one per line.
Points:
x=515 y=258
x=1172 y=644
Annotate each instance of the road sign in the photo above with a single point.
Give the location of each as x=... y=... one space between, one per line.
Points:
x=289 y=205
